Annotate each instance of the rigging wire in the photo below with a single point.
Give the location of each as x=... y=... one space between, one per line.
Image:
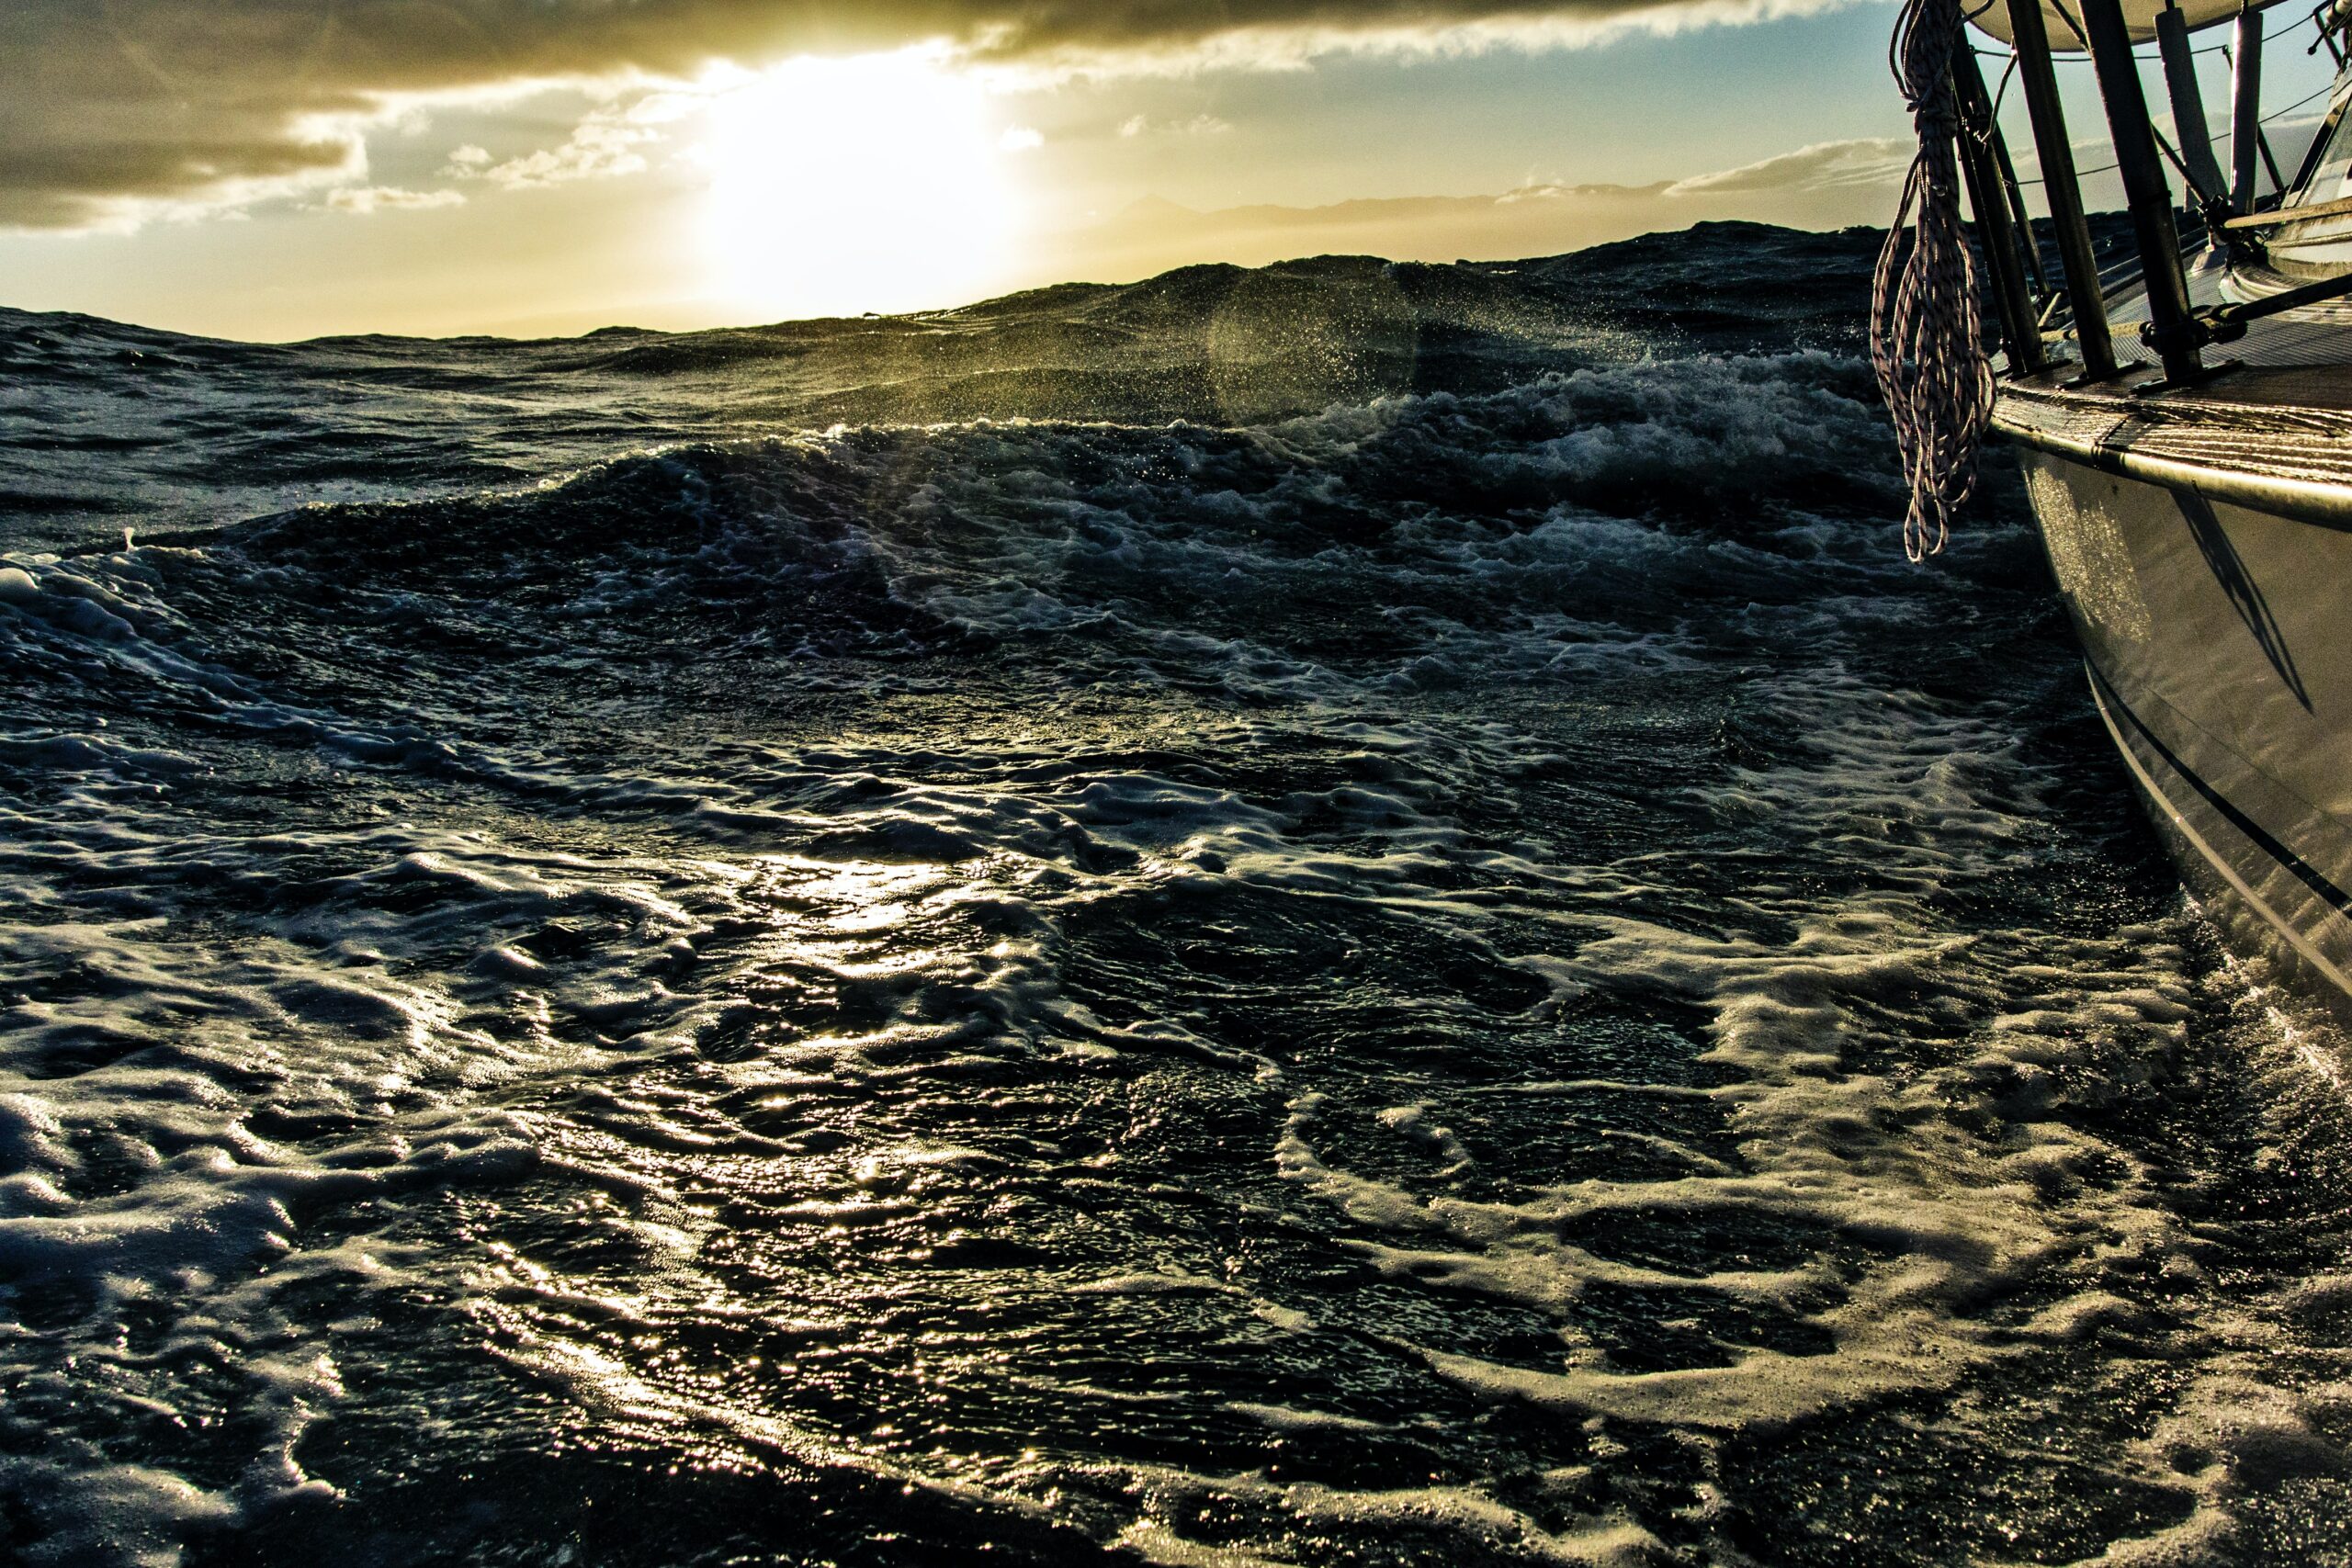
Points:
x=2272 y=118
x=2002 y=90
x=2299 y=103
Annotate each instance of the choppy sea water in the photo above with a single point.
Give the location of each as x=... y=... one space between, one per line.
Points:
x=1343 y=915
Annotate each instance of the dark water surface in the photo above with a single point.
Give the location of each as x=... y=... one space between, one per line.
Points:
x=1341 y=915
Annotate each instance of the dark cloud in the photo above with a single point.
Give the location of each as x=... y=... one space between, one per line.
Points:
x=108 y=100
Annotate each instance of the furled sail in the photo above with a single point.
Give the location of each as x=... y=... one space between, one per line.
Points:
x=2063 y=18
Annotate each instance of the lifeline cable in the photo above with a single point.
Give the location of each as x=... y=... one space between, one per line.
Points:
x=1927 y=342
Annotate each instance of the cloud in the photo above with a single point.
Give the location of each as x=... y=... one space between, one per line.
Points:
x=55 y=182
x=1199 y=125
x=1825 y=165
x=390 y=198
x=133 y=106
x=1020 y=139
x=598 y=150
x=603 y=145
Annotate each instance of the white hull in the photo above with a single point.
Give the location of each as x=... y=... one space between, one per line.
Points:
x=2218 y=642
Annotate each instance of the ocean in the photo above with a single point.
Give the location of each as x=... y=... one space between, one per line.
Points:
x=1349 y=913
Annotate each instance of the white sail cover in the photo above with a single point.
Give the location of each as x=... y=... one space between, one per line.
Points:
x=2063 y=18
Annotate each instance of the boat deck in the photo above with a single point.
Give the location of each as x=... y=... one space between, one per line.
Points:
x=2313 y=335
x=2271 y=428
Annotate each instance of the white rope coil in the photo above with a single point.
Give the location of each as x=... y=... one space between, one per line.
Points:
x=1926 y=334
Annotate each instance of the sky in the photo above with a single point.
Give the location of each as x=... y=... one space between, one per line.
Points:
x=281 y=169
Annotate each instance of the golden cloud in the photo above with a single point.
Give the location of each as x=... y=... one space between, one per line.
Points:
x=116 y=104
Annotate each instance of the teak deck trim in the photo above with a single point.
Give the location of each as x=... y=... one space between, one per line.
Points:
x=2274 y=453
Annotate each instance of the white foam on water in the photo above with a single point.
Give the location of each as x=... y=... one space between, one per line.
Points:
x=1307 y=1511
x=637 y=981
x=1955 y=1221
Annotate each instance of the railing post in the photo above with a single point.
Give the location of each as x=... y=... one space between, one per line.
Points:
x=2144 y=191
x=1996 y=234
x=2056 y=154
x=2202 y=170
x=2245 y=108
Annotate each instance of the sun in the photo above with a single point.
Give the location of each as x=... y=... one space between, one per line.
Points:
x=840 y=186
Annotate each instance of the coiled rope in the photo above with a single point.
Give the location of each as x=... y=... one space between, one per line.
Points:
x=1926 y=334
